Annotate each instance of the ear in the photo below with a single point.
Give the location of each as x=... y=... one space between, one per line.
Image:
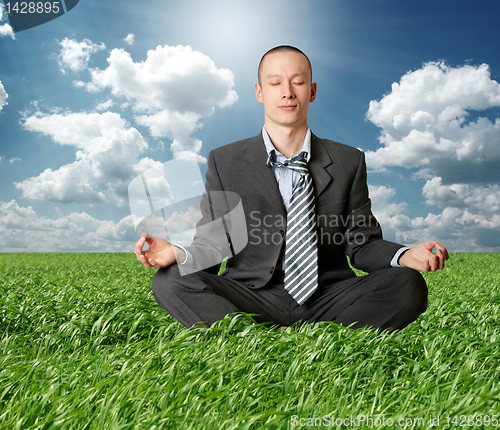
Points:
x=313 y=92
x=258 y=93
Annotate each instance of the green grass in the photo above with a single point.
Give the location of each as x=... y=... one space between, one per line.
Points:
x=83 y=345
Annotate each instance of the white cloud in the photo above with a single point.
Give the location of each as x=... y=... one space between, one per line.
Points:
x=3 y=96
x=105 y=105
x=170 y=91
x=171 y=78
x=425 y=127
x=89 y=86
x=5 y=29
x=381 y=206
x=75 y=55
x=13 y=160
x=183 y=221
x=130 y=39
x=424 y=123
x=177 y=126
x=476 y=199
x=76 y=129
x=390 y=215
x=21 y=229
x=107 y=158
x=469 y=220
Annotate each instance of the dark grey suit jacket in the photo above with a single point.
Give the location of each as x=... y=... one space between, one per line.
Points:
x=346 y=225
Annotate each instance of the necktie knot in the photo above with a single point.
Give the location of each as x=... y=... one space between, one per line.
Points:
x=298 y=163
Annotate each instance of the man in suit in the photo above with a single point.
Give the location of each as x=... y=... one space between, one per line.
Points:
x=259 y=170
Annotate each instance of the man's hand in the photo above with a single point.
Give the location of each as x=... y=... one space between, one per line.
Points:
x=421 y=258
x=159 y=254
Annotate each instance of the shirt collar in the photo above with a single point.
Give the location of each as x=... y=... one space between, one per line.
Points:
x=306 y=147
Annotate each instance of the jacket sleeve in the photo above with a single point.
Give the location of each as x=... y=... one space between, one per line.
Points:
x=211 y=243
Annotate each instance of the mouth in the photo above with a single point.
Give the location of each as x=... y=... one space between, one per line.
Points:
x=287 y=107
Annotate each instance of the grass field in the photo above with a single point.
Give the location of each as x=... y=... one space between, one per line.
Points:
x=83 y=345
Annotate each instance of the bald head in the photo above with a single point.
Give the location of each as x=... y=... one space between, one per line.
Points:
x=282 y=48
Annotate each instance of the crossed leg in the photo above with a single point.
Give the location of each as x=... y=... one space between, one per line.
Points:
x=386 y=299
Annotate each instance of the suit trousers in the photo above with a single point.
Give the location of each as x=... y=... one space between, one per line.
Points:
x=388 y=298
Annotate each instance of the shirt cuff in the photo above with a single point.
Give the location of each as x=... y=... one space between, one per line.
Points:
x=188 y=255
x=394 y=261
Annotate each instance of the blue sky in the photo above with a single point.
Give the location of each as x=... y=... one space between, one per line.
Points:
x=111 y=89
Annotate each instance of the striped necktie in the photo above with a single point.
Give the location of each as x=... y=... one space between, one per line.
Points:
x=301 y=249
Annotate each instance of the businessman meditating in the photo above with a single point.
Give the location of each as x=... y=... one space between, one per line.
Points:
x=313 y=196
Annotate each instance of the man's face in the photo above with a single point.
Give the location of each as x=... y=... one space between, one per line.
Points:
x=285 y=88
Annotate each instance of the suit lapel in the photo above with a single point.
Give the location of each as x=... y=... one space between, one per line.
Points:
x=320 y=159
x=260 y=175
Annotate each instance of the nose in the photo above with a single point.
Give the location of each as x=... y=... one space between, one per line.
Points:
x=288 y=91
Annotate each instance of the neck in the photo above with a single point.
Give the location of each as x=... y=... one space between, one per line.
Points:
x=287 y=140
